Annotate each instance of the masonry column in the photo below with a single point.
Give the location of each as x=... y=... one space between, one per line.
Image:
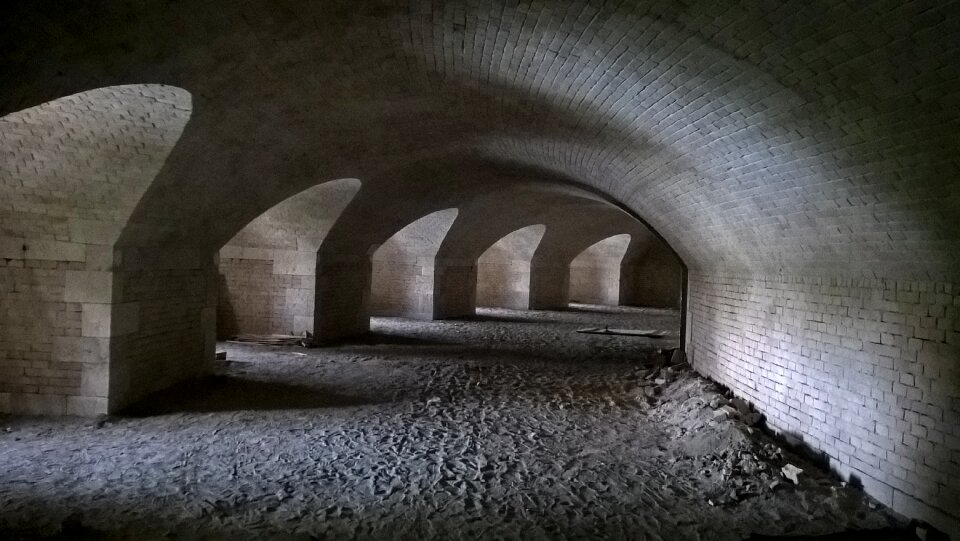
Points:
x=455 y=288
x=549 y=285
x=162 y=321
x=342 y=301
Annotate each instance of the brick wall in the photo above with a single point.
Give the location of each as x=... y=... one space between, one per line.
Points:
x=503 y=283
x=595 y=272
x=596 y=284
x=503 y=270
x=265 y=291
x=864 y=370
x=268 y=269
x=402 y=280
x=33 y=314
x=402 y=288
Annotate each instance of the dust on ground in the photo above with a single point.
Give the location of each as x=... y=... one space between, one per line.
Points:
x=505 y=426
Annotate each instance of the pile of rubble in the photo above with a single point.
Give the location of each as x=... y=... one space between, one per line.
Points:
x=715 y=438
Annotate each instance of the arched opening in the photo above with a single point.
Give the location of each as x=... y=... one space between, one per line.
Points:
x=503 y=270
x=595 y=274
x=402 y=279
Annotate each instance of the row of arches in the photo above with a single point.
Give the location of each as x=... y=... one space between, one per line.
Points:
x=115 y=283
x=441 y=265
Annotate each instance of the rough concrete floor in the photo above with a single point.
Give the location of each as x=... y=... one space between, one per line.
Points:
x=507 y=426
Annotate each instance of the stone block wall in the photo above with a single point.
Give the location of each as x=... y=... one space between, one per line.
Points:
x=595 y=284
x=503 y=283
x=402 y=280
x=58 y=315
x=595 y=273
x=36 y=318
x=866 y=371
x=402 y=287
x=265 y=291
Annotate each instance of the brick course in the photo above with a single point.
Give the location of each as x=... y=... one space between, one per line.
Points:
x=863 y=370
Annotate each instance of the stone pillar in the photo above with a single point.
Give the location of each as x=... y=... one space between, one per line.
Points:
x=655 y=281
x=341 y=309
x=455 y=288
x=162 y=322
x=549 y=285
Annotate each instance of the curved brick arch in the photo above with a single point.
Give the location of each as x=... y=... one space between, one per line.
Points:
x=503 y=270
x=595 y=272
x=802 y=165
x=721 y=121
x=402 y=282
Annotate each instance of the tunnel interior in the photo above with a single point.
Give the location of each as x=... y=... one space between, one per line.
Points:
x=523 y=237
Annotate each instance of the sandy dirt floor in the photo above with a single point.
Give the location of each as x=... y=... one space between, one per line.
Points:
x=505 y=426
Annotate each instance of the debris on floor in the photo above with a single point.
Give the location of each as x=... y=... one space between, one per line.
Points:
x=647 y=333
x=303 y=340
x=441 y=433
x=791 y=472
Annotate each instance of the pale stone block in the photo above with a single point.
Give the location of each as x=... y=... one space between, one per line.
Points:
x=231 y=251
x=12 y=248
x=47 y=250
x=95 y=380
x=289 y=262
x=105 y=320
x=89 y=286
x=93 y=231
x=57 y=251
x=312 y=244
x=38 y=404
x=302 y=323
x=86 y=406
x=263 y=254
x=77 y=349
x=95 y=320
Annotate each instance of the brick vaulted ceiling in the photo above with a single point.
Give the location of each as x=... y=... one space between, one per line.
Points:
x=802 y=137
